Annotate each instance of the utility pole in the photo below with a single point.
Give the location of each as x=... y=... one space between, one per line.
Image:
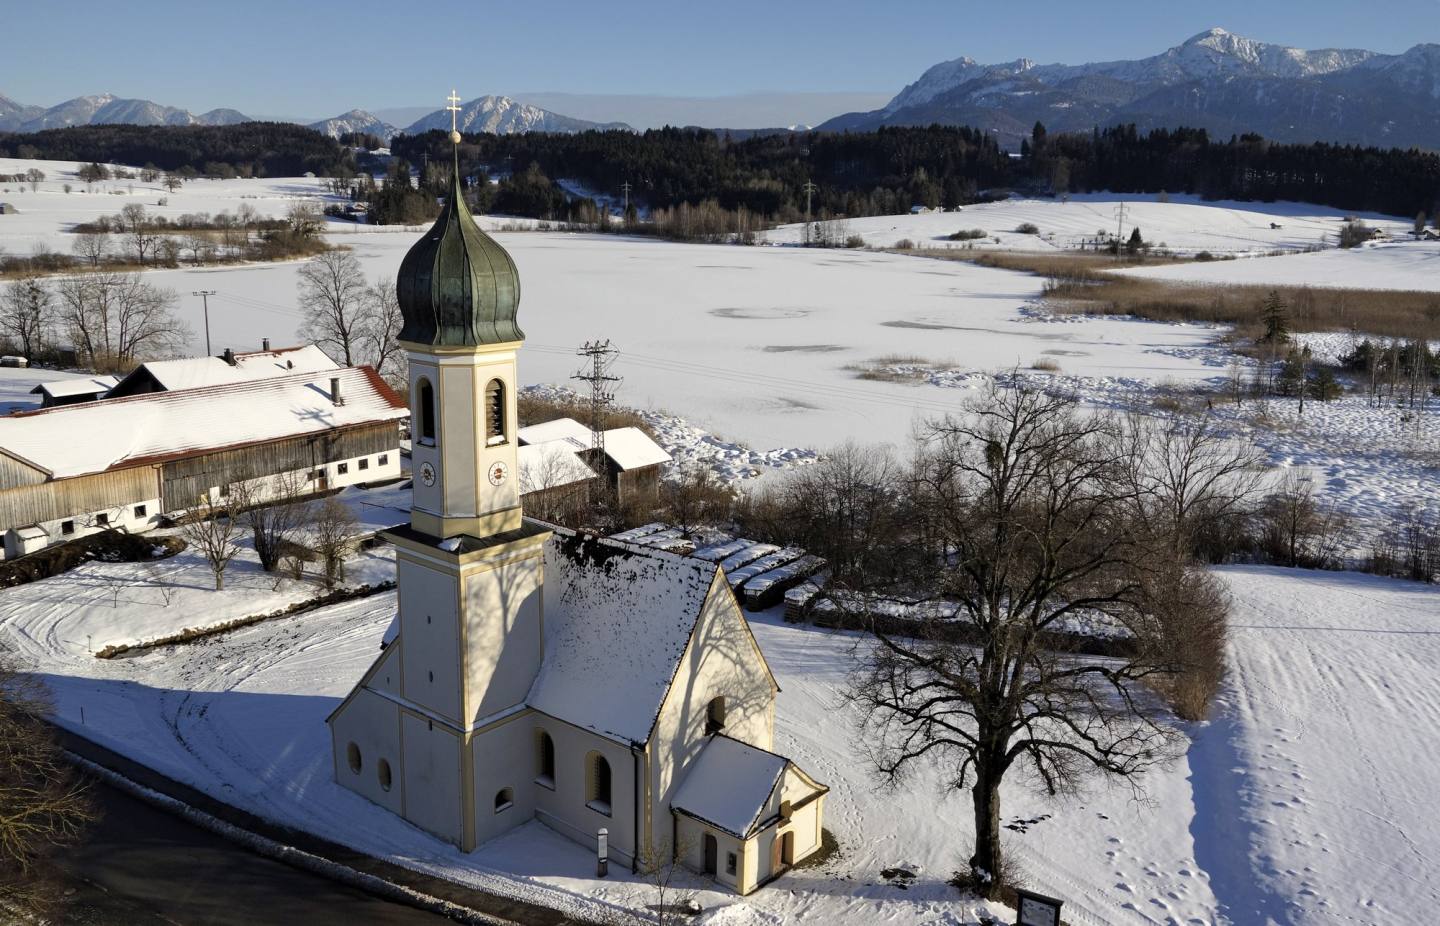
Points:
x=205 y=295
x=625 y=188
x=809 y=189
x=1120 y=212
x=599 y=356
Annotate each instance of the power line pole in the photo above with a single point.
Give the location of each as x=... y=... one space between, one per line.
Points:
x=1120 y=212
x=599 y=356
x=625 y=188
x=809 y=189
x=205 y=295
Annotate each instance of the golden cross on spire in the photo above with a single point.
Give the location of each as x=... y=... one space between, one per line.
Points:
x=454 y=109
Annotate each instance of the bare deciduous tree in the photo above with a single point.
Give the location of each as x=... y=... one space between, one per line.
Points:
x=91 y=247
x=43 y=806
x=273 y=510
x=1036 y=518
x=334 y=302
x=114 y=319
x=27 y=313
x=382 y=331
x=333 y=529
x=658 y=865
x=695 y=497
x=212 y=527
x=140 y=234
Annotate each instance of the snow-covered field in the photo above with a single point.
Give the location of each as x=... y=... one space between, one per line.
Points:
x=1304 y=800
x=1185 y=224
x=1397 y=265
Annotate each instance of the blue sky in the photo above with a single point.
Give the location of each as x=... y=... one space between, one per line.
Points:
x=311 y=58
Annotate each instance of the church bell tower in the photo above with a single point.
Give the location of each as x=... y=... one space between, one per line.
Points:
x=468 y=566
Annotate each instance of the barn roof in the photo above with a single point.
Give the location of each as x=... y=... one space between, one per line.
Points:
x=567 y=429
x=617 y=621
x=92 y=437
x=195 y=372
x=631 y=448
x=85 y=385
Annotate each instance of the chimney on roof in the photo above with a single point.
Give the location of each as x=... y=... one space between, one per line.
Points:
x=265 y=344
x=335 y=391
x=228 y=356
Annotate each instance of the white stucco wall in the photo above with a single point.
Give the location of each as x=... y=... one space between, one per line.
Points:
x=564 y=807
x=432 y=776
x=722 y=660
x=504 y=757
x=372 y=723
x=429 y=625
x=503 y=636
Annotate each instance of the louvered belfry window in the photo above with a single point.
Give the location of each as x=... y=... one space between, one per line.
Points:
x=494 y=413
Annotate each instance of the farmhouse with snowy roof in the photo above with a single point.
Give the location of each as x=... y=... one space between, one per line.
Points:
x=540 y=674
x=158 y=453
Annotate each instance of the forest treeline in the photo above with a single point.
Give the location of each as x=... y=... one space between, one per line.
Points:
x=889 y=170
x=260 y=149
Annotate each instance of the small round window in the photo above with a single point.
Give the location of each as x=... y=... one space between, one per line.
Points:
x=383 y=770
x=352 y=756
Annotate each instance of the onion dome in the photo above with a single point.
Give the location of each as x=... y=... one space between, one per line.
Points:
x=457 y=286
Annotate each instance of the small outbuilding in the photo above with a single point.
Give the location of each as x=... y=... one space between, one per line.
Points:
x=8 y=209
x=73 y=391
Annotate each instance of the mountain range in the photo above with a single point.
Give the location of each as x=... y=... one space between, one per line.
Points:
x=495 y=114
x=1218 y=81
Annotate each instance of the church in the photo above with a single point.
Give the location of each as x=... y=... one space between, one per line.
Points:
x=536 y=673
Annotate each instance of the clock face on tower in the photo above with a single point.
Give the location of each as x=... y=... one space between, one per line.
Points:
x=498 y=473
x=427 y=473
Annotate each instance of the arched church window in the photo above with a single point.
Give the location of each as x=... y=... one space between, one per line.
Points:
x=382 y=769
x=494 y=413
x=504 y=799
x=715 y=715
x=546 y=748
x=425 y=411
x=597 y=783
x=352 y=757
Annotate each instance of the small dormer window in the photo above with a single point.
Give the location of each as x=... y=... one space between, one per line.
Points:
x=494 y=413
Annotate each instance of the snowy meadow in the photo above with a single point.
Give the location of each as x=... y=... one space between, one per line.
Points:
x=1303 y=798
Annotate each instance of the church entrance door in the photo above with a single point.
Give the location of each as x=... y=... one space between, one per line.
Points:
x=712 y=855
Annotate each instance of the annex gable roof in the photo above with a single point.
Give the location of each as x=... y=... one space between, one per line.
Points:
x=566 y=429
x=550 y=465
x=631 y=448
x=618 y=619
x=729 y=785
x=154 y=427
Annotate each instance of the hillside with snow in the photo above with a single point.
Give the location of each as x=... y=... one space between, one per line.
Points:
x=500 y=115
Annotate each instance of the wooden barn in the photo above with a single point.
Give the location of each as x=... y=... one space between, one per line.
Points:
x=73 y=391
x=74 y=470
x=632 y=464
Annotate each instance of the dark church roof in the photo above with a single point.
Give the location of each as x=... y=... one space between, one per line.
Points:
x=457 y=286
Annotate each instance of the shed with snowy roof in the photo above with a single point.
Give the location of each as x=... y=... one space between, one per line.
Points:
x=632 y=461
x=73 y=391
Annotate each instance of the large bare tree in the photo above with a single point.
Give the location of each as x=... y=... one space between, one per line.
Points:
x=116 y=319
x=274 y=511
x=212 y=527
x=336 y=306
x=43 y=805
x=382 y=330
x=27 y=313
x=1033 y=513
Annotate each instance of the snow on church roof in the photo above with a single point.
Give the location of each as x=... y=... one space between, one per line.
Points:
x=617 y=621
x=729 y=784
x=157 y=426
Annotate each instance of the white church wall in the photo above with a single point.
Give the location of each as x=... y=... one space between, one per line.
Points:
x=372 y=724
x=721 y=661
x=502 y=638
x=564 y=808
x=690 y=838
x=429 y=625
x=426 y=497
x=490 y=449
x=432 y=776
x=504 y=758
